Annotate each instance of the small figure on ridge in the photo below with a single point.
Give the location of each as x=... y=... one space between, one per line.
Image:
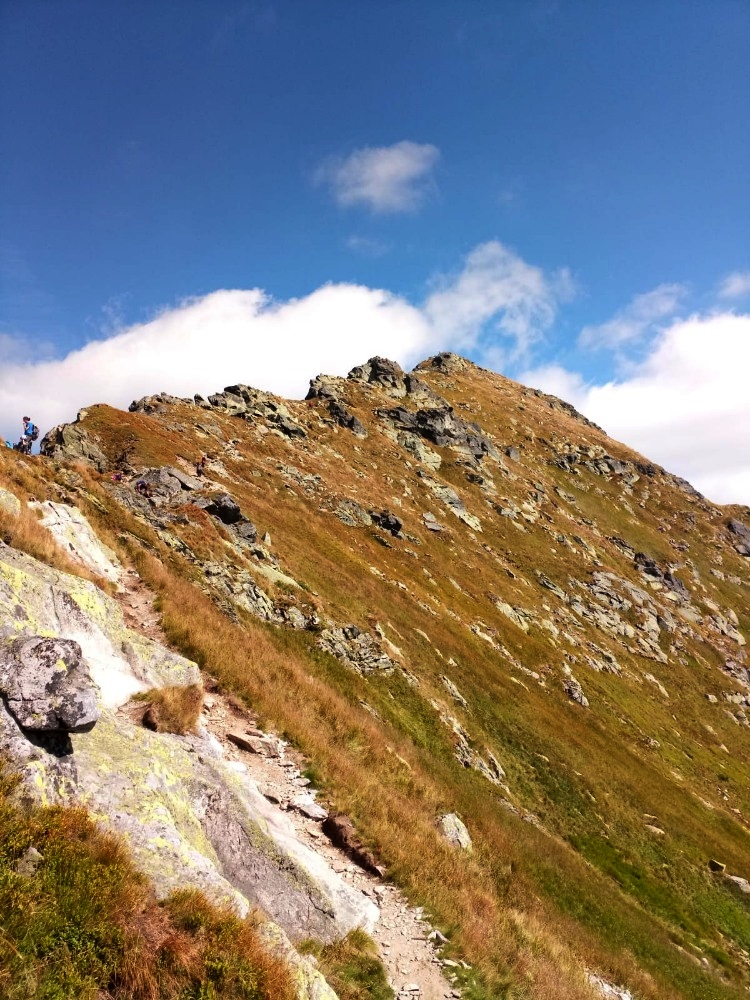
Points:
x=30 y=434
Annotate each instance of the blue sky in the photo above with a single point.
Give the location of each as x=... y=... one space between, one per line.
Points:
x=155 y=153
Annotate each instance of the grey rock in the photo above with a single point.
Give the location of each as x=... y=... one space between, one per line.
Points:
x=454 y=831
x=443 y=428
x=29 y=861
x=157 y=403
x=387 y=521
x=250 y=404
x=162 y=482
x=741 y=535
x=9 y=503
x=552 y=587
x=445 y=362
x=356 y=649
x=345 y=418
x=330 y=390
x=47 y=685
x=447 y=495
x=307 y=805
x=225 y=508
x=246 y=530
x=454 y=692
x=73 y=442
x=35 y=598
x=432 y=523
x=352 y=514
x=187 y=482
x=740 y=883
x=381 y=372
x=75 y=536
x=574 y=691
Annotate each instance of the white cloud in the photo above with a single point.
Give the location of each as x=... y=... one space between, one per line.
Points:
x=735 y=285
x=686 y=406
x=383 y=178
x=244 y=336
x=630 y=324
x=496 y=287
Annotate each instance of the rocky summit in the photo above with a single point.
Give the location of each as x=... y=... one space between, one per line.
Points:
x=473 y=680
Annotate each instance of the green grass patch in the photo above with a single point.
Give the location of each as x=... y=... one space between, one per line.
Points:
x=352 y=967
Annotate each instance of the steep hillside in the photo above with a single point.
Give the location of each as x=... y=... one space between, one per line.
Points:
x=455 y=595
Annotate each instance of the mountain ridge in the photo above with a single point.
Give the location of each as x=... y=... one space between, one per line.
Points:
x=472 y=601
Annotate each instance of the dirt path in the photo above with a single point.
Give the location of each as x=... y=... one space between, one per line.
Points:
x=406 y=942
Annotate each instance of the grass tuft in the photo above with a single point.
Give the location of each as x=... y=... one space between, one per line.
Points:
x=352 y=967
x=173 y=709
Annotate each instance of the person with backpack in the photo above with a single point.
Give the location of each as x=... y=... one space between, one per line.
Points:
x=30 y=434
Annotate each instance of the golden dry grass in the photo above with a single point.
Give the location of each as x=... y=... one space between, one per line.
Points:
x=24 y=532
x=173 y=709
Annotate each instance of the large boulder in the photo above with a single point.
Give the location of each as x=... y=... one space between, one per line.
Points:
x=72 y=442
x=223 y=507
x=38 y=600
x=47 y=685
x=455 y=832
x=163 y=482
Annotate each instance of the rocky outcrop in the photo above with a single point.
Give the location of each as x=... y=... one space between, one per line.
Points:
x=330 y=390
x=156 y=403
x=443 y=428
x=237 y=401
x=47 y=686
x=741 y=536
x=445 y=362
x=574 y=690
x=72 y=442
x=252 y=404
x=189 y=816
x=388 y=375
x=448 y=496
x=73 y=534
x=358 y=650
x=223 y=507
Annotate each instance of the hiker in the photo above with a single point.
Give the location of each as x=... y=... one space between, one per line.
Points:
x=30 y=434
x=200 y=467
x=143 y=488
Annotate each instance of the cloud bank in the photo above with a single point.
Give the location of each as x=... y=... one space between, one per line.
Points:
x=685 y=406
x=385 y=179
x=245 y=336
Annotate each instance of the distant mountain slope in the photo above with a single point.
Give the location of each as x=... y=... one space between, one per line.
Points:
x=457 y=595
